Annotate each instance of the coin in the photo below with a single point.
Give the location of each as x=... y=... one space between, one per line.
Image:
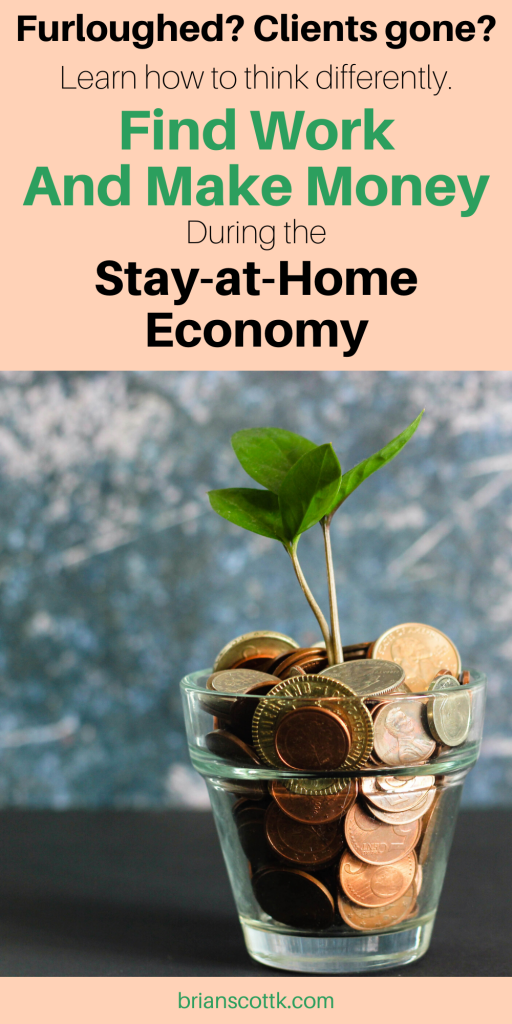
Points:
x=449 y=717
x=294 y=897
x=376 y=843
x=315 y=808
x=242 y=710
x=352 y=652
x=311 y=738
x=237 y=680
x=371 y=885
x=365 y=919
x=303 y=844
x=418 y=879
x=421 y=650
x=259 y=644
x=396 y=798
x=291 y=693
x=223 y=744
x=405 y=817
x=400 y=737
x=464 y=678
x=309 y=659
x=367 y=678
x=429 y=823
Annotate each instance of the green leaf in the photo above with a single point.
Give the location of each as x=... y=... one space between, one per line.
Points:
x=309 y=490
x=268 y=453
x=254 y=510
x=354 y=477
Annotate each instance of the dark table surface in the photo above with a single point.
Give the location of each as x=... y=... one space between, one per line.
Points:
x=132 y=894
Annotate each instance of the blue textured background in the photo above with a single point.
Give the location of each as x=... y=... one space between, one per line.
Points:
x=116 y=579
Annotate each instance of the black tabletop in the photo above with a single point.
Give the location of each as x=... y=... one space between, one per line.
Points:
x=126 y=893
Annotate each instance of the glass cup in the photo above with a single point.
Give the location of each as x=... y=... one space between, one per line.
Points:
x=335 y=871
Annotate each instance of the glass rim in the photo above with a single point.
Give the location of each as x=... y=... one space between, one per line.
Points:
x=188 y=683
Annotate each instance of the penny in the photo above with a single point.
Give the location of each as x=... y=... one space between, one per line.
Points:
x=223 y=744
x=312 y=666
x=406 y=817
x=242 y=710
x=313 y=739
x=259 y=644
x=259 y=664
x=418 y=879
x=314 y=809
x=310 y=845
x=312 y=658
x=400 y=737
x=429 y=824
x=367 y=678
x=464 y=678
x=365 y=919
x=352 y=652
x=449 y=717
x=293 y=897
x=311 y=691
x=400 y=799
x=376 y=843
x=421 y=650
x=371 y=885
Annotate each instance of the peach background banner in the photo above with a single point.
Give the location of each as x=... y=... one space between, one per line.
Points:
x=447 y=104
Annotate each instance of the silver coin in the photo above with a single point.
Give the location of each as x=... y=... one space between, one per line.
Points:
x=367 y=678
x=398 y=801
x=405 y=817
x=399 y=734
x=238 y=680
x=449 y=717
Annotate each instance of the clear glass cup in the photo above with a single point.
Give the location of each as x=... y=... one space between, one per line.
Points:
x=292 y=871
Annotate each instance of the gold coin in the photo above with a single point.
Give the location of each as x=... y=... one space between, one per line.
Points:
x=306 y=691
x=421 y=650
x=259 y=644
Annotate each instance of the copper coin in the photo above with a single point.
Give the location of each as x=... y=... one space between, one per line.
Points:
x=242 y=711
x=300 y=843
x=315 y=809
x=374 y=842
x=299 y=658
x=399 y=798
x=366 y=919
x=311 y=666
x=464 y=678
x=294 y=898
x=429 y=826
x=405 y=817
x=400 y=735
x=312 y=739
x=418 y=879
x=259 y=644
x=353 y=652
x=421 y=650
x=228 y=747
x=371 y=885
x=259 y=664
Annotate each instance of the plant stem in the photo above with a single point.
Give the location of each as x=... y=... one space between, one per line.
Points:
x=313 y=604
x=337 y=650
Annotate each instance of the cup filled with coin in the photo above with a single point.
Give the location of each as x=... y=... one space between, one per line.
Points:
x=335 y=788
